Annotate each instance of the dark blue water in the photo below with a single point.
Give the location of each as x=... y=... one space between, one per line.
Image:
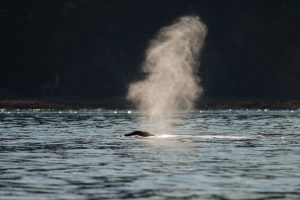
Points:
x=81 y=154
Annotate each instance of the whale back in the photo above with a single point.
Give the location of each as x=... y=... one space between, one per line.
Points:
x=138 y=133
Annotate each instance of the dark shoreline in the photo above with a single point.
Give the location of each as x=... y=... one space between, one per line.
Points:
x=62 y=104
x=123 y=104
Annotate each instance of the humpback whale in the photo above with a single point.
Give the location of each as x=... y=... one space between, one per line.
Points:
x=139 y=133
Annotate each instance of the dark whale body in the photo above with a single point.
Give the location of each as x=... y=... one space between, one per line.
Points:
x=138 y=133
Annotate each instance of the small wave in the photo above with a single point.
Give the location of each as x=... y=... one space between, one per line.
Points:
x=206 y=137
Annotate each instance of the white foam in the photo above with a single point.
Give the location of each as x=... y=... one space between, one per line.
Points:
x=205 y=137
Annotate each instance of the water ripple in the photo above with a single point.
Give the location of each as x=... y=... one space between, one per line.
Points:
x=209 y=155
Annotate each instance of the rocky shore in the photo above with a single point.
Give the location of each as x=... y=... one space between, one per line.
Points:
x=123 y=104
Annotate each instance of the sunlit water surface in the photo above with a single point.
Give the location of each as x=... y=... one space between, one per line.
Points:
x=82 y=154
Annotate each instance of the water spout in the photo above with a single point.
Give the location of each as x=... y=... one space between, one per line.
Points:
x=170 y=65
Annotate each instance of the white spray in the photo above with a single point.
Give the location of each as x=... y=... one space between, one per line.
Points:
x=171 y=63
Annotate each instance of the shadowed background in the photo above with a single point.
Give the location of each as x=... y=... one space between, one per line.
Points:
x=94 y=49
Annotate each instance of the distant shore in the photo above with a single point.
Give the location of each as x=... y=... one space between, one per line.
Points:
x=61 y=104
x=123 y=104
x=251 y=104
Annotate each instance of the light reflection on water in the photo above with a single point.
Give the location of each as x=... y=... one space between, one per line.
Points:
x=82 y=154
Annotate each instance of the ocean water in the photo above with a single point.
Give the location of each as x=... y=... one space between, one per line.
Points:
x=209 y=154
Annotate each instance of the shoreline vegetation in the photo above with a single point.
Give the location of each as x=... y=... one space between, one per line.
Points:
x=117 y=103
